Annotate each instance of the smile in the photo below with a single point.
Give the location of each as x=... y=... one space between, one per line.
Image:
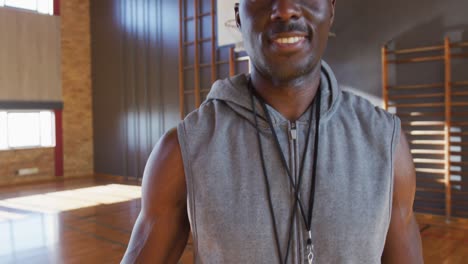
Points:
x=289 y=40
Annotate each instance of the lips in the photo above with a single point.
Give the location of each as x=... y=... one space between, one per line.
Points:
x=289 y=42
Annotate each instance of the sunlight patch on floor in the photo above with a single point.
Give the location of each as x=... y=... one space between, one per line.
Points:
x=55 y=202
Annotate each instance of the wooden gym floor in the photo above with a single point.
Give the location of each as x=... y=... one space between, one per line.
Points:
x=90 y=221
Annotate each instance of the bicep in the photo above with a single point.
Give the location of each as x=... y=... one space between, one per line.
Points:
x=403 y=243
x=161 y=230
x=163 y=186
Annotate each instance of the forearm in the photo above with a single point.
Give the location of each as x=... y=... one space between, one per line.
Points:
x=405 y=246
x=159 y=241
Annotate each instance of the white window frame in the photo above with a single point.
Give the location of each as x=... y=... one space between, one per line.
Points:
x=5 y=145
x=46 y=6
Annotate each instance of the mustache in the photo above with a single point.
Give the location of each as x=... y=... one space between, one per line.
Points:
x=282 y=27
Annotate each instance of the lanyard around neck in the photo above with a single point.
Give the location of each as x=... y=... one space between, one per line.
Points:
x=296 y=187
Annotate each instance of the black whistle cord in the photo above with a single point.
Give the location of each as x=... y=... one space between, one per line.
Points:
x=307 y=219
x=267 y=183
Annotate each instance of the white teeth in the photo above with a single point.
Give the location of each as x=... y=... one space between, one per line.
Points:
x=290 y=40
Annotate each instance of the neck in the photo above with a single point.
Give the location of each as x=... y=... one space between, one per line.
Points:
x=291 y=98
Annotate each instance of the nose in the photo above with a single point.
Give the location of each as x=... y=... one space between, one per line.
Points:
x=286 y=10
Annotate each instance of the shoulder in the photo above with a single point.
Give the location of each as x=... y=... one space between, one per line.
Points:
x=376 y=124
x=164 y=175
x=203 y=114
x=167 y=146
x=358 y=109
x=359 y=105
x=206 y=116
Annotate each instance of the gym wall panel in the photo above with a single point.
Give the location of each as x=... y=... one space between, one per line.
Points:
x=135 y=81
x=29 y=56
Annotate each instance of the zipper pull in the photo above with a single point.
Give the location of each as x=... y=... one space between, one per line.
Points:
x=293 y=132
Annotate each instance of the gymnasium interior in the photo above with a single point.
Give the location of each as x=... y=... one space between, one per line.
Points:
x=88 y=87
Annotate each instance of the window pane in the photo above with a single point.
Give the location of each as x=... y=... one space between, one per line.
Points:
x=47 y=129
x=23 y=130
x=2 y=2
x=45 y=6
x=25 y=4
x=3 y=130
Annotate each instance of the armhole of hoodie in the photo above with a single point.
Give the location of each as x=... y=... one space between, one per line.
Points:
x=184 y=148
x=394 y=144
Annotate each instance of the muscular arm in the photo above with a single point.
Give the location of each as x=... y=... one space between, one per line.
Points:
x=403 y=244
x=161 y=230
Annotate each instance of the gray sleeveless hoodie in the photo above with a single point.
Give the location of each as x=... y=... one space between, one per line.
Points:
x=227 y=198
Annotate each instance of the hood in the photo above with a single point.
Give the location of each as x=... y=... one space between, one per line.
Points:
x=235 y=93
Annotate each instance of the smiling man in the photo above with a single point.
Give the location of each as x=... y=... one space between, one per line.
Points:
x=280 y=166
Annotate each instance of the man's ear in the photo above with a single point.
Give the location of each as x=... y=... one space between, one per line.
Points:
x=236 y=11
x=332 y=18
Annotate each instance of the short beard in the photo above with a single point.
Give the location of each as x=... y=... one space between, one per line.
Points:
x=290 y=78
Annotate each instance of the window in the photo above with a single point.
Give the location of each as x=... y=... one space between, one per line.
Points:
x=40 y=6
x=26 y=129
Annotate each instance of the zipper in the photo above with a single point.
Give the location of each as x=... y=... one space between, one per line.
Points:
x=294 y=158
x=293 y=138
x=293 y=132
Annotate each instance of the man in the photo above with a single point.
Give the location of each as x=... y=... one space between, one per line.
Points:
x=280 y=166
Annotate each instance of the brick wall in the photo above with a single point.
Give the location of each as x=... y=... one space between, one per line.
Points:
x=12 y=161
x=77 y=112
x=76 y=85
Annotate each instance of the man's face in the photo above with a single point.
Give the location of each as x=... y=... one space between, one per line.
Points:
x=285 y=39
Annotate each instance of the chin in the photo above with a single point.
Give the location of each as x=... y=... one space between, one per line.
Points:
x=287 y=72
